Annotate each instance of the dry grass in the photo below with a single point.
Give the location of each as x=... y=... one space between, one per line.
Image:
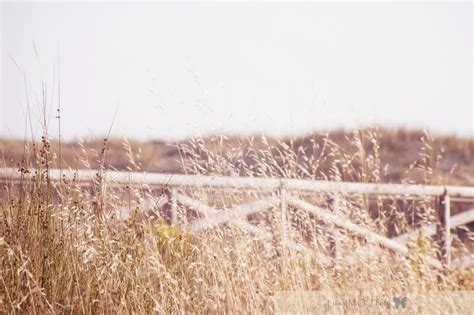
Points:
x=61 y=253
x=398 y=152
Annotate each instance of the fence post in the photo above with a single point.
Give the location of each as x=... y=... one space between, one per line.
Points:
x=174 y=206
x=283 y=227
x=335 y=239
x=443 y=229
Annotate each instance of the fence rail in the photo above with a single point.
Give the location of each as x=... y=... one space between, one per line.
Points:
x=284 y=186
x=251 y=183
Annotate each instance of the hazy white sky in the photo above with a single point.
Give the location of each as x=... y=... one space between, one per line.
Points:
x=173 y=70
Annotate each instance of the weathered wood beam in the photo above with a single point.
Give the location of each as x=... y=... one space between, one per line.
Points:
x=443 y=229
x=208 y=211
x=367 y=234
x=429 y=230
x=234 y=213
x=250 y=183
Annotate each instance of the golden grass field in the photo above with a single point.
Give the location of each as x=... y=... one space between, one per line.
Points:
x=60 y=254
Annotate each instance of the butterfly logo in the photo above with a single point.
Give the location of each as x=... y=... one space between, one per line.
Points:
x=400 y=302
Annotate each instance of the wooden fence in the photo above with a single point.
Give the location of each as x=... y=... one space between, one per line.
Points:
x=237 y=215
